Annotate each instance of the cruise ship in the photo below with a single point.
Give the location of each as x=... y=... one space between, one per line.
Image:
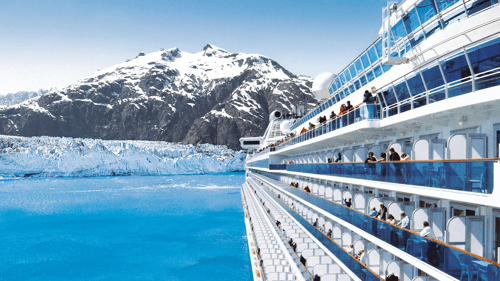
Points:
x=425 y=98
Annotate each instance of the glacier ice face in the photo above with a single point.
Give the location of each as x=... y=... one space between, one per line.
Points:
x=75 y=157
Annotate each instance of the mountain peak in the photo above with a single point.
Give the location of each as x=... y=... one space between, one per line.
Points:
x=210 y=50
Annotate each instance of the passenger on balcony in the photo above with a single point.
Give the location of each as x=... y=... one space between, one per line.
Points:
x=349 y=106
x=405 y=223
x=315 y=224
x=304 y=130
x=371 y=157
x=405 y=157
x=383 y=157
x=362 y=257
x=329 y=233
x=330 y=160
x=306 y=189
x=391 y=277
x=394 y=155
x=316 y=278
x=311 y=126
x=342 y=109
x=394 y=234
x=349 y=248
x=382 y=213
x=373 y=213
x=332 y=115
x=432 y=254
x=367 y=97
x=339 y=158
x=347 y=202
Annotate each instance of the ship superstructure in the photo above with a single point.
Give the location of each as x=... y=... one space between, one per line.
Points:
x=429 y=88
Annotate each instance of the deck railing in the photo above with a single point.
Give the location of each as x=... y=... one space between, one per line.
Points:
x=463 y=175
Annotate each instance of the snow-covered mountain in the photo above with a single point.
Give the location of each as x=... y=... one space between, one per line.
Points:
x=69 y=157
x=213 y=96
x=19 y=97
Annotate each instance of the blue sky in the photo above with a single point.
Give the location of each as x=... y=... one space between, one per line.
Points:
x=49 y=43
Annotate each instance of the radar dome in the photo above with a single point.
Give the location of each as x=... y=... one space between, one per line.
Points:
x=321 y=84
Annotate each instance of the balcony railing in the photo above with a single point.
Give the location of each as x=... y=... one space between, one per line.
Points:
x=353 y=264
x=367 y=111
x=463 y=175
x=449 y=259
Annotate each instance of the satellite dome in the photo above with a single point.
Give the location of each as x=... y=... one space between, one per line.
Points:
x=321 y=84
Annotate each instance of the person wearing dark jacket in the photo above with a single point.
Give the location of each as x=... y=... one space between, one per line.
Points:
x=316 y=278
x=382 y=213
x=394 y=155
x=367 y=97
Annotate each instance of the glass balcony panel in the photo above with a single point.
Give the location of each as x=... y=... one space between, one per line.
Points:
x=378 y=47
x=337 y=83
x=401 y=90
x=443 y=5
x=352 y=69
x=362 y=80
x=417 y=38
x=410 y=21
x=342 y=79
x=347 y=75
x=439 y=255
x=372 y=53
x=388 y=67
x=389 y=97
x=434 y=82
x=479 y=5
x=357 y=85
x=341 y=94
x=351 y=89
x=432 y=28
x=370 y=76
x=454 y=16
x=359 y=67
x=398 y=30
x=426 y=10
x=485 y=61
x=377 y=69
x=457 y=74
x=405 y=106
x=365 y=61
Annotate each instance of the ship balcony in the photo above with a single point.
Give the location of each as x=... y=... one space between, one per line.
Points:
x=407 y=244
x=365 y=112
x=459 y=175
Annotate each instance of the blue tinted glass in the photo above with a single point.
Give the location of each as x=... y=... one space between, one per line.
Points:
x=417 y=38
x=359 y=67
x=401 y=91
x=411 y=22
x=426 y=10
x=341 y=94
x=372 y=54
x=357 y=84
x=445 y=4
x=377 y=70
x=485 y=58
x=351 y=89
x=330 y=90
x=398 y=29
x=365 y=61
x=333 y=88
x=330 y=102
x=342 y=79
x=457 y=74
x=416 y=84
x=478 y=6
x=353 y=70
x=370 y=76
x=432 y=77
x=362 y=79
x=386 y=67
x=454 y=16
x=337 y=83
x=432 y=28
x=346 y=92
x=347 y=75
x=378 y=46
x=389 y=96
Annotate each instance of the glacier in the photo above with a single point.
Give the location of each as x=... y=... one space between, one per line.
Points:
x=77 y=157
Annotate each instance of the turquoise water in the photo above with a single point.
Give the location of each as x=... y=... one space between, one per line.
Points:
x=124 y=228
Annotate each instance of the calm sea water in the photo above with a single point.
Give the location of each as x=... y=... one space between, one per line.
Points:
x=123 y=228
